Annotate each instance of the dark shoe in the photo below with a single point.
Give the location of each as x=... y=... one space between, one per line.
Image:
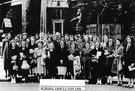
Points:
x=131 y=86
x=126 y=86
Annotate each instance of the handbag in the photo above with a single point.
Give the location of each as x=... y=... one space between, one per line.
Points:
x=33 y=63
x=25 y=65
x=114 y=66
x=120 y=66
x=15 y=67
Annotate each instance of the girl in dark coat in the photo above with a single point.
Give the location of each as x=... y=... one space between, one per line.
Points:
x=31 y=48
x=23 y=53
x=109 y=60
x=129 y=59
x=98 y=63
x=86 y=64
x=13 y=55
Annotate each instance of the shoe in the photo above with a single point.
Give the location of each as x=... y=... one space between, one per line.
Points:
x=126 y=86
x=11 y=80
x=131 y=86
x=14 y=80
x=23 y=79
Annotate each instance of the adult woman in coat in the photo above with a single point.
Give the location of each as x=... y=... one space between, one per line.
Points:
x=129 y=60
x=98 y=63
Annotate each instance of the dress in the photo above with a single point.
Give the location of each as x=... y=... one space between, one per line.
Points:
x=117 y=66
x=73 y=63
x=109 y=61
x=86 y=64
x=40 y=55
x=24 y=51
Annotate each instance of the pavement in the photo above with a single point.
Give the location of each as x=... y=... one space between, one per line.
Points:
x=5 y=85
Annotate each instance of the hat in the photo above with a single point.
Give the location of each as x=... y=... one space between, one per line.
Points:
x=39 y=41
x=24 y=34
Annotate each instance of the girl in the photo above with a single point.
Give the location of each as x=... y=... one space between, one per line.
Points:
x=86 y=64
x=74 y=61
x=31 y=48
x=118 y=54
x=13 y=55
x=109 y=60
x=39 y=54
x=24 y=62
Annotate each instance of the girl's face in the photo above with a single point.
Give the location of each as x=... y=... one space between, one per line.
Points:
x=97 y=44
x=62 y=38
x=9 y=35
x=24 y=37
x=13 y=44
x=23 y=44
x=105 y=39
x=51 y=45
x=36 y=36
x=86 y=38
x=110 y=43
x=87 y=45
x=32 y=41
x=117 y=42
x=17 y=39
x=71 y=38
x=27 y=40
x=66 y=38
x=40 y=45
x=49 y=39
x=128 y=40
x=94 y=39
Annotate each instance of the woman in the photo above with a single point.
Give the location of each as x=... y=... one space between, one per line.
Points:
x=86 y=64
x=53 y=60
x=74 y=61
x=129 y=61
x=63 y=62
x=98 y=63
x=40 y=55
x=117 y=65
x=13 y=55
x=109 y=60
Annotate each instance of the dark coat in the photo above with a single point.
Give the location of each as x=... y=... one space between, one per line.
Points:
x=63 y=55
x=6 y=55
x=98 y=68
x=129 y=58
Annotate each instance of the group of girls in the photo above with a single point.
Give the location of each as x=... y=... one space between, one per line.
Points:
x=78 y=56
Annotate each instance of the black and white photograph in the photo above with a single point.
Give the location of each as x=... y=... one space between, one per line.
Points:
x=67 y=45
